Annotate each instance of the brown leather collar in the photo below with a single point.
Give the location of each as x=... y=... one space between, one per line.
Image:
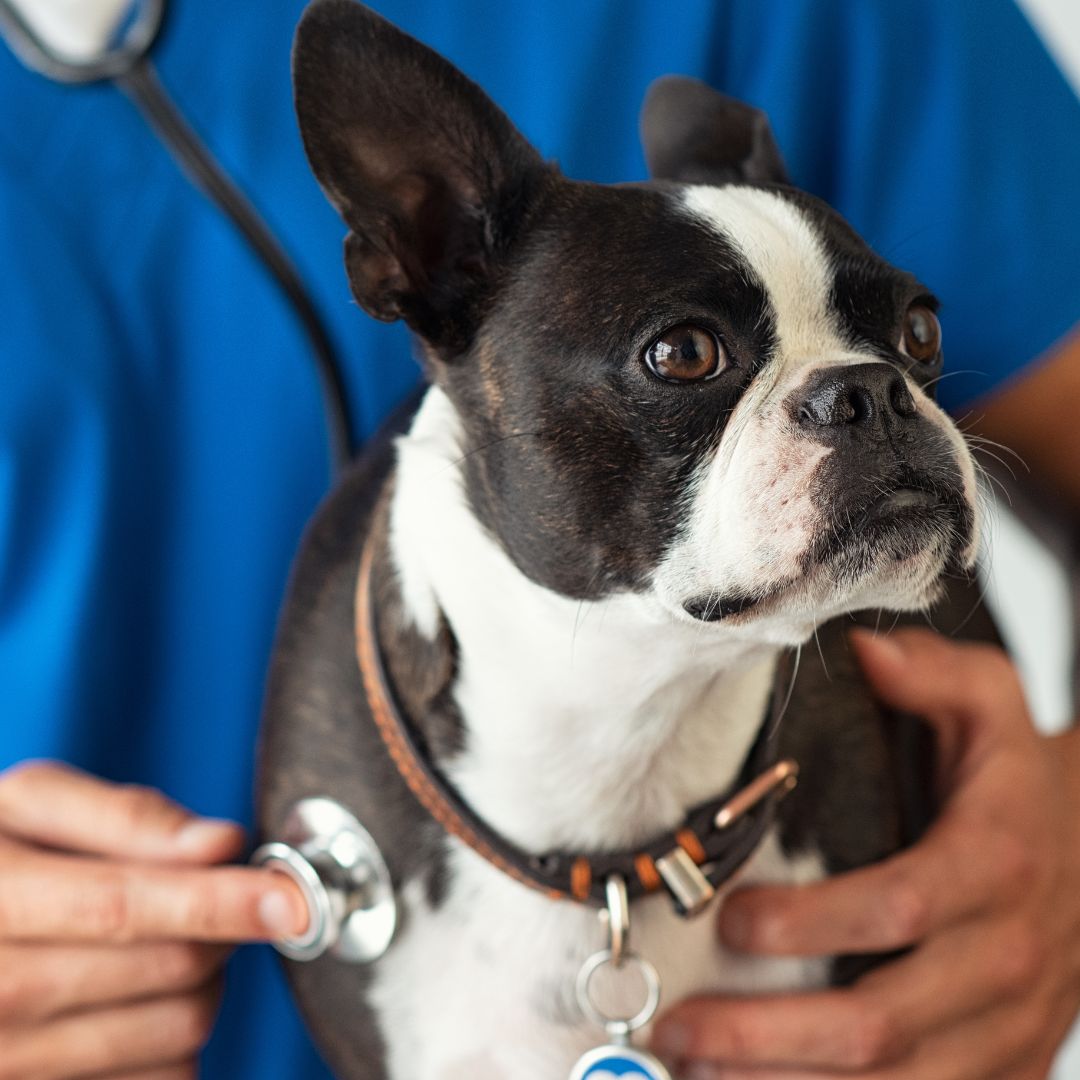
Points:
x=710 y=846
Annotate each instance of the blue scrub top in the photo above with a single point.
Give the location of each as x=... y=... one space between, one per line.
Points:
x=161 y=439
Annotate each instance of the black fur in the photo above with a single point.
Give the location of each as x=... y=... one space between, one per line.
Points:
x=534 y=299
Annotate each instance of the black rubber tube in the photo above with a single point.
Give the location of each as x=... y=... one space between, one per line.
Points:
x=142 y=85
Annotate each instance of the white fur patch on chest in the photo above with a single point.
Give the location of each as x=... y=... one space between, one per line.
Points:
x=483 y=987
x=588 y=726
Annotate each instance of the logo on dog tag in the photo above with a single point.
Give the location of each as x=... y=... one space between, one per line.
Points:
x=618 y=1063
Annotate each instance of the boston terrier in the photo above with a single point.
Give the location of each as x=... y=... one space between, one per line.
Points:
x=671 y=429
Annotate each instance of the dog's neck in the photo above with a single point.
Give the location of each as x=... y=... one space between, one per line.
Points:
x=587 y=725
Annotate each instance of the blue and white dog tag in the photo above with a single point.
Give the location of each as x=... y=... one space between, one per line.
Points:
x=618 y=1063
x=618 y=1060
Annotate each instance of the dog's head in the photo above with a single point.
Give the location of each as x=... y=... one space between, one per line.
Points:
x=705 y=388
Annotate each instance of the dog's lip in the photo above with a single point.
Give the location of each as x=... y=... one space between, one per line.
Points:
x=714 y=607
x=911 y=499
x=899 y=501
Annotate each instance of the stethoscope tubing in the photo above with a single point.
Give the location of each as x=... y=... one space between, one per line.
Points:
x=129 y=67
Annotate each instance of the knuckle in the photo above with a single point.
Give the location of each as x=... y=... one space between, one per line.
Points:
x=740 y=1038
x=1002 y=677
x=18 y=781
x=192 y=1022
x=137 y=805
x=105 y=911
x=906 y=913
x=874 y=1039
x=1017 y=863
x=199 y=908
x=30 y=771
x=12 y=991
x=185 y=965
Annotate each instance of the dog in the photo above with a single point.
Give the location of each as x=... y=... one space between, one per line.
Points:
x=672 y=428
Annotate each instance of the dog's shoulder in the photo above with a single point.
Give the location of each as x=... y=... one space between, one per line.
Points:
x=318 y=739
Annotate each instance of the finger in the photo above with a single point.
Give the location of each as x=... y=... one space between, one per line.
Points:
x=58 y=806
x=42 y=981
x=960 y=868
x=988 y=1045
x=825 y=1029
x=187 y=1071
x=883 y=1018
x=68 y=898
x=943 y=681
x=145 y=1035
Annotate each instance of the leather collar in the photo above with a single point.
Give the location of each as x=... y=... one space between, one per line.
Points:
x=714 y=840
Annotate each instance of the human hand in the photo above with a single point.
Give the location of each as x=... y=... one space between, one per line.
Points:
x=988 y=902
x=114 y=924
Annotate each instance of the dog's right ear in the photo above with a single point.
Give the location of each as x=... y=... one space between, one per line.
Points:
x=696 y=135
x=432 y=179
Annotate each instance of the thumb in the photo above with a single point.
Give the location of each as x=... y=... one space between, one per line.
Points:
x=957 y=687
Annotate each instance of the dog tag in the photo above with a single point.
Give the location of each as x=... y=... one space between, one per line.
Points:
x=618 y=1059
x=615 y=1062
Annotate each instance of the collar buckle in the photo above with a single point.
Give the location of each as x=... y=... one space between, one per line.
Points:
x=685 y=880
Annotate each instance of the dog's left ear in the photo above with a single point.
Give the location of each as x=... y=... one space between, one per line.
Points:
x=695 y=135
x=432 y=179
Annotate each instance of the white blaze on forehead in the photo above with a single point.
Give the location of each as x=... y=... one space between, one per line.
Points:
x=786 y=254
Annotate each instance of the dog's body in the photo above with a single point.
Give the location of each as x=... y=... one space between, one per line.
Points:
x=674 y=428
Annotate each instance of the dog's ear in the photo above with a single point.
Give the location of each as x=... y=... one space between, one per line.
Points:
x=693 y=134
x=430 y=176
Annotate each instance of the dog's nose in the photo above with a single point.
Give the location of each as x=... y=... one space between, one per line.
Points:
x=867 y=397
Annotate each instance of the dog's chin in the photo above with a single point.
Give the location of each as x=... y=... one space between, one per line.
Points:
x=893 y=554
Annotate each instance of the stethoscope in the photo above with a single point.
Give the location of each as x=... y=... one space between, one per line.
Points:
x=323 y=848
x=126 y=63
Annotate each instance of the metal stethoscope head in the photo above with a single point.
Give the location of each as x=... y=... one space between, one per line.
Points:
x=116 y=58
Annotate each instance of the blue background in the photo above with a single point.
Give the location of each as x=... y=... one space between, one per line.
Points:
x=161 y=439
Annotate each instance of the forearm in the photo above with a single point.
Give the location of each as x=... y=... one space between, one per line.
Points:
x=1034 y=416
x=1067 y=747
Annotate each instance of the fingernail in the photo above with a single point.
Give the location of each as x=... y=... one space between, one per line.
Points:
x=886 y=647
x=278 y=915
x=671 y=1039
x=198 y=836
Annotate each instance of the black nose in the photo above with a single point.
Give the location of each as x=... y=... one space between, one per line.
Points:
x=867 y=397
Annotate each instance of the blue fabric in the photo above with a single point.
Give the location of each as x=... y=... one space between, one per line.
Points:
x=161 y=439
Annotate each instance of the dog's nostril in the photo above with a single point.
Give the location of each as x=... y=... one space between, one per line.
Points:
x=860 y=406
x=863 y=395
x=900 y=398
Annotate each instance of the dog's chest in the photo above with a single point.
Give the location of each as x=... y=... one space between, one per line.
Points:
x=482 y=987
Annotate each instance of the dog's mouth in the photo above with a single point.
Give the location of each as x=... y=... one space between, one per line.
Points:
x=897 y=523
x=715 y=607
x=906 y=521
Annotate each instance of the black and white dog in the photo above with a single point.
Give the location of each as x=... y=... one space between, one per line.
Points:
x=672 y=428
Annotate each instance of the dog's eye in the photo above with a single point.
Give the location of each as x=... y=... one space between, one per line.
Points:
x=922 y=334
x=686 y=353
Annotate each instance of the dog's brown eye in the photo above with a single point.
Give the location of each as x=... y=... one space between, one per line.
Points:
x=922 y=334
x=686 y=353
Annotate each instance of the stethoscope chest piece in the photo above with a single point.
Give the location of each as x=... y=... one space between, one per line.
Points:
x=344 y=879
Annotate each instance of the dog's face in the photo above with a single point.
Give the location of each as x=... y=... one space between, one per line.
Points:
x=706 y=389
